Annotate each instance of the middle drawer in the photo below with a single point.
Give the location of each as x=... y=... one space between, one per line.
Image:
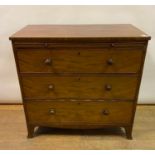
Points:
x=82 y=87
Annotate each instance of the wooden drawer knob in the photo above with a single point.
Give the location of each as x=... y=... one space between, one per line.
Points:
x=110 y=61
x=79 y=53
x=105 y=112
x=52 y=111
x=50 y=87
x=48 y=61
x=112 y=45
x=45 y=44
x=108 y=87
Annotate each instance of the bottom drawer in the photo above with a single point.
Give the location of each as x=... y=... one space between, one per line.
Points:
x=75 y=113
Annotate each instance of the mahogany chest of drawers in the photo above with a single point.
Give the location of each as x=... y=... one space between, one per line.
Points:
x=80 y=76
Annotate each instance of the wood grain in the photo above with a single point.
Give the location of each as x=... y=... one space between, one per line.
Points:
x=79 y=113
x=80 y=60
x=123 y=87
x=80 y=32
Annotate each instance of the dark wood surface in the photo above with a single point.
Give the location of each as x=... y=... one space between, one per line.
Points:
x=101 y=74
x=77 y=113
x=77 y=87
x=80 y=60
x=114 y=32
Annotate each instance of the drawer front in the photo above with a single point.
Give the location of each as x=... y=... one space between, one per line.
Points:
x=87 y=87
x=82 y=113
x=80 y=60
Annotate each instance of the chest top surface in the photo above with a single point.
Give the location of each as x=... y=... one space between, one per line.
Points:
x=81 y=32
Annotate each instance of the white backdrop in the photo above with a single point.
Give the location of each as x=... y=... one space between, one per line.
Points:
x=13 y=18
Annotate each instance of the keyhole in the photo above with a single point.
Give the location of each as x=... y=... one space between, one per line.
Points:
x=79 y=53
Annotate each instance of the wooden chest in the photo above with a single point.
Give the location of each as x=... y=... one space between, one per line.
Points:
x=80 y=76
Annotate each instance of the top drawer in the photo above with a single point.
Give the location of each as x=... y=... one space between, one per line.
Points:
x=119 y=59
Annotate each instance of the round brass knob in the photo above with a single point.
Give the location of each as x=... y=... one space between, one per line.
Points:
x=108 y=87
x=50 y=87
x=48 y=61
x=110 y=61
x=52 y=111
x=105 y=112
